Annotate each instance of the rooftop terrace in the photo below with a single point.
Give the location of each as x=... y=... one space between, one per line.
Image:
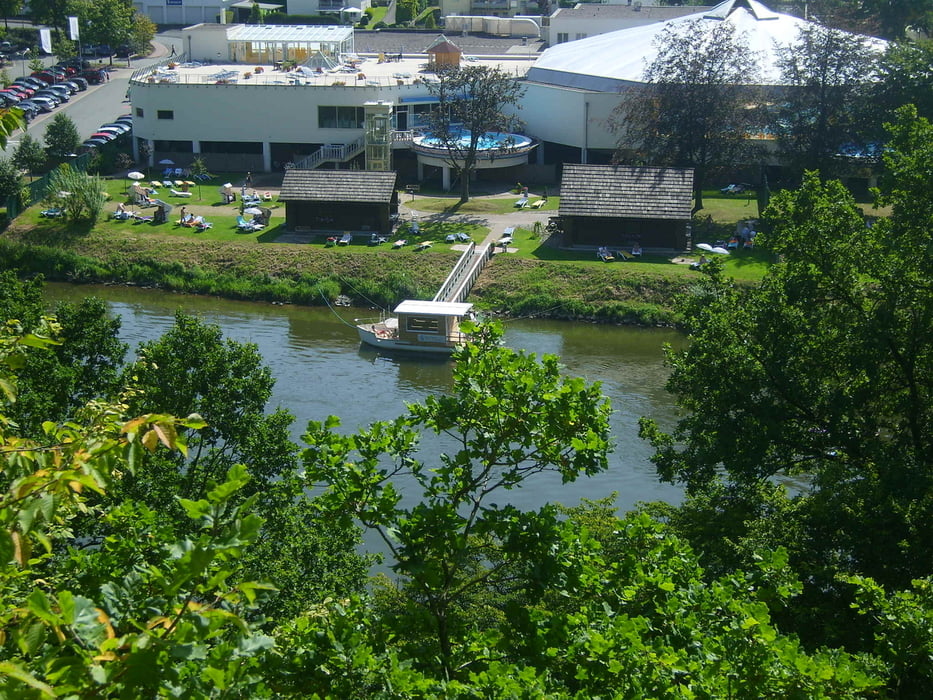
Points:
x=360 y=70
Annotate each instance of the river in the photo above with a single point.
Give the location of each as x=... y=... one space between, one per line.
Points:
x=321 y=369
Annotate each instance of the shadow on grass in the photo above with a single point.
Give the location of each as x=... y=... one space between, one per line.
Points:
x=59 y=232
x=270 y=234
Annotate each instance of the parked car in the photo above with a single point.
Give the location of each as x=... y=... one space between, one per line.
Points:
x=104 y=135
x=46 y=77
x=20 y=91
x=31 y=82
x=49 y=95
x=79 y=81
x=15 y=95
x=94 y=76
x=41 y=104
x=95 y=143
x=117 y=127
x=61 y=90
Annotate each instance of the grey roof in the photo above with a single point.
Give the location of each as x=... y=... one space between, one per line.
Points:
x=363 y=186
x=626 y=192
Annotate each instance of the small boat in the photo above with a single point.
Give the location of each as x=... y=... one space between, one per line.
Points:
x=418 y=326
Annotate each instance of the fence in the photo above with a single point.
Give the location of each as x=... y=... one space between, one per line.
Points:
x=39 y=189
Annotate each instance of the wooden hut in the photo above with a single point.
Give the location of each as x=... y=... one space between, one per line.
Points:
x=620 y=205
x=358 y=201
x=444 y=53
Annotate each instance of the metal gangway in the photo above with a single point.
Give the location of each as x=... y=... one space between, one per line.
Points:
x=460 y=281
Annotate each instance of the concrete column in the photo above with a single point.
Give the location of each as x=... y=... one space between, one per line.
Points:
x=196 y=147
x=267 y=156
x=445 y=178
x=539 y=154
x=420 y=171
x=151 y=152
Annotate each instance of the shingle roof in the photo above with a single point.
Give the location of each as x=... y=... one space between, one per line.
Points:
x=626 y=192
x=366 y=186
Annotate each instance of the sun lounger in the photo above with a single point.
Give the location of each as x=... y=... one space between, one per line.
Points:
x=177 y=193
x=424 y=245
x=399 y=243
x=345 y=239
x=464 y=238
x=538 y=204
x=376 y=239
x=521 y=203
x=451 y=238
x=53 y=213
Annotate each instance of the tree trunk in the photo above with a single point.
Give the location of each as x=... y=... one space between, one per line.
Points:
x=697 y=198
x=465 y=186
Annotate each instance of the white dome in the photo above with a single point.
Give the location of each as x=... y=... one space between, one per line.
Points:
x=606 y=62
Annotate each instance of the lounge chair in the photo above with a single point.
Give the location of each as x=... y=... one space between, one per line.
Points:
x=244 y=225
x=399 y=243
x=522 y=202
x=168 y=183
x=177 y=193
x=267 y=196
x=424 y=245
x=451 y=238
x=538 y=204
x=52 y=213
x=376 y=239
x=345 y=239
x=414 y=228
x=464 y=238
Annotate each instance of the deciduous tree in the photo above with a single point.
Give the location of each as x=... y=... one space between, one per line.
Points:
x=29 y=154
x=472 y=100
x=61 y=137
x=822 y=378
x=510 y=418
x=828 y=73
x=696 y=106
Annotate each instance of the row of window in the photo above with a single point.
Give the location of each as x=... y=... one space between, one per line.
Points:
x=335 y=117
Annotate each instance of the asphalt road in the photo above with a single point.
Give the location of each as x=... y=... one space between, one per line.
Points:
x=98 y=104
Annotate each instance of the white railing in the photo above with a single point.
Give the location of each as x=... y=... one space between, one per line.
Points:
x=460 y=281
x=335 y=153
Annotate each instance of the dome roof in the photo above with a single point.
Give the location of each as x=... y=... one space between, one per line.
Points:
x=606 y=62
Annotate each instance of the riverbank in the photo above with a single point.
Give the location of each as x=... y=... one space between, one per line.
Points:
x=533 y=280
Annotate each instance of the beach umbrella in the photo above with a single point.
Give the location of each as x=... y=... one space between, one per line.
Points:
x=705 y=246
x=720 y=250
x=252 y=210
x=166 y=161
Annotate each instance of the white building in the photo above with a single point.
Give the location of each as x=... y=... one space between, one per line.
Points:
x=242 y=119
x=589 y=19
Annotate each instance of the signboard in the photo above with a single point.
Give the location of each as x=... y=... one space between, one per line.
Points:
x=173 y=2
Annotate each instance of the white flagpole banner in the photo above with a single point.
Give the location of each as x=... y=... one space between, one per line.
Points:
x=73 y=33
x=45 y=40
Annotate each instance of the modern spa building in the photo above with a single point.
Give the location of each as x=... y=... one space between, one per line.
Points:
x=239 y=101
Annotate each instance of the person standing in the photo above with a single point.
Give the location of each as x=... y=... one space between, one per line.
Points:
x=249 y=180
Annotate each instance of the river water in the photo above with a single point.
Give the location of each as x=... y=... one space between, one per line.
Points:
x=321 y=369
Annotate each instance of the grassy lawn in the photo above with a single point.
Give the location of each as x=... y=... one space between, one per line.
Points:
x=448 y=204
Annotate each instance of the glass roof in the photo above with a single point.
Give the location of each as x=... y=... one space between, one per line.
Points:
x=290 y=33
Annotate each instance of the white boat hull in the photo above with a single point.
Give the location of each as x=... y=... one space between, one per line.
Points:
x=375 y=338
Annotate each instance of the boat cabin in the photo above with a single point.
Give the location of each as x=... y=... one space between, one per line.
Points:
x=422 y=322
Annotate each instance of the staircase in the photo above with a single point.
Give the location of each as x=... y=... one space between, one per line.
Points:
x=332 y=154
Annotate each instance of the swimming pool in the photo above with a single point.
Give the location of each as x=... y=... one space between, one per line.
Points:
x=489 y=141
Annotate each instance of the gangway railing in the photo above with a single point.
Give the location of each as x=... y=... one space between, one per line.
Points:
x=460 y=281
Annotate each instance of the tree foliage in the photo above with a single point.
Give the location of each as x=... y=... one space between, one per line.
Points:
x=905 y=76
x=29 y=154
x=80 y=195
x=828 y=73
x=61 y=137
x=472 y=100
x=10 y=179
x=696 y=106
x=820 y=378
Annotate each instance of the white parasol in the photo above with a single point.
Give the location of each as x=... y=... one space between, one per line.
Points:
x=720 y=250
x=252 y=210
x=135 y=175
x=166 y=161
x=705 y=246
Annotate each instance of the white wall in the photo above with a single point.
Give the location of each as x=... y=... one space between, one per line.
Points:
x=559 y=115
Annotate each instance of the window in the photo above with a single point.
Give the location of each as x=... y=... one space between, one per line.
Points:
x=165 y=114
x=339 y=117
x=422 y=324
x=562 y=37
x=139 y=112
x=580 y=35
